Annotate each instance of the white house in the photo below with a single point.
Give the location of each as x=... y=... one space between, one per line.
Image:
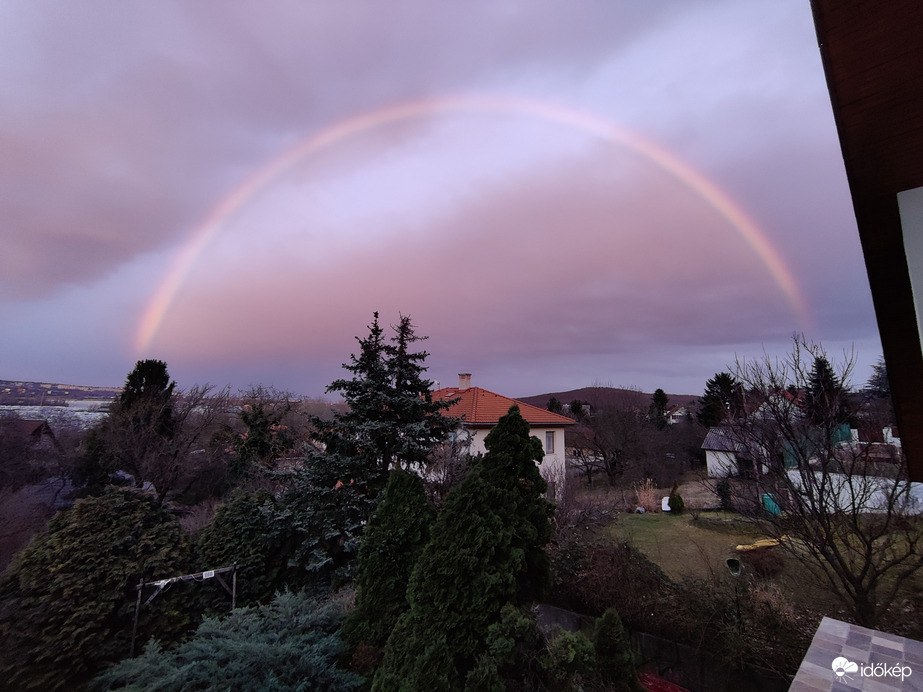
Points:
x=481 y=409
x=721 y=450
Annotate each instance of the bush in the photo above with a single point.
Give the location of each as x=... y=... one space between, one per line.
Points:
x=571 y=661
x=702 y=614
x=646 y=495
x=607 y=576
x=290 y=644
x=675 y=501
x=67 y=601
x=723 y=489
x=245 y=532
x=614 y=659
x=765 y=562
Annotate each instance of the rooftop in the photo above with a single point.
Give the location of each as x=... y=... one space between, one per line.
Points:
x=479 y=406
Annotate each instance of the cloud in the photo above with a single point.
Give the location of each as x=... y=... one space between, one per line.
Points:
x=122 y=128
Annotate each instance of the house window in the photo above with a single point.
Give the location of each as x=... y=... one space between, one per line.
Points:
x=549 y=442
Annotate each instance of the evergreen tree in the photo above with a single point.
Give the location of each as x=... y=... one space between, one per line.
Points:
x=137 y=431
x=879 y=386
x=486 y=550
x=658 y=410
x=723 y=398
x=417 y=422
x=554 y=405
x=392 y=421
x=244 y=532
x=392 y=543
x=147 y=397
x=67 y=600
x=613 y=653
x=826 y=398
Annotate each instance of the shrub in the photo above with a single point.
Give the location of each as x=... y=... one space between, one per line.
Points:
x=723 y=489
x=675 y=502
x=614 y=659
x=67 y=601
x=616 y=576
x=765 y=562
x=571 y=660
x=290 y=644
x=646 y=495
x=245 y=532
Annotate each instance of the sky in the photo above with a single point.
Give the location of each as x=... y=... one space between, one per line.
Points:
x=559 y=194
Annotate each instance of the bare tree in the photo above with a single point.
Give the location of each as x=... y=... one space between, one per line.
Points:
x=158 y=438
x=448 y=463
x=839 y=506
x=611 y=439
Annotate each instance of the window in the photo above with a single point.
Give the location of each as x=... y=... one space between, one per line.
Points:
x=549 y=442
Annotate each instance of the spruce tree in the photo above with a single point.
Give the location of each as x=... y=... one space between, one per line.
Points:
x=658 y=409
x=391 y=421
x=486 y=550
x=826 y=398
x=723 y=398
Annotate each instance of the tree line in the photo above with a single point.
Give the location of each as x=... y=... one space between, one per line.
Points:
x=444 y=578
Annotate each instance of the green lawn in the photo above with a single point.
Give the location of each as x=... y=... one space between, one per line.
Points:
x=682 y=546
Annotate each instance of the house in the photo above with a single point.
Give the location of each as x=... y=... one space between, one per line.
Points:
x=34 y=433
x=721 y=453
x=677 y=414
x=480 y=409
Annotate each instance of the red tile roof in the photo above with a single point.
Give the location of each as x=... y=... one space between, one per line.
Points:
x=480 y=406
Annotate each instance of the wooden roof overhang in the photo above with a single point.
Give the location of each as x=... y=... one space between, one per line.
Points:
x=872 y=53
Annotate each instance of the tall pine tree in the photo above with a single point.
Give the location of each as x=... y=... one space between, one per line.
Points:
x=826 y=399
x=723 y=398
x=391 y=421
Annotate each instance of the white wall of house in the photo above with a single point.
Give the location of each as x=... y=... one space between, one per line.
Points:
x=552 y=465
x=720 y=464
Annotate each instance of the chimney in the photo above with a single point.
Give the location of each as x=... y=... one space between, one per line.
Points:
x=464 y=380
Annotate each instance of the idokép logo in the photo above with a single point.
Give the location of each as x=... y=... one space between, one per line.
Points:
x=842 y=667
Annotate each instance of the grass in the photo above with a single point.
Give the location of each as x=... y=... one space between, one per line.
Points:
x=681 y=546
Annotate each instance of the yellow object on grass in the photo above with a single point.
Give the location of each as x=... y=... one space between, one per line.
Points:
x=763 y=543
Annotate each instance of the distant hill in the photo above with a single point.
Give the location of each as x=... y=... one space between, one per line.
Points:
x=602 y=397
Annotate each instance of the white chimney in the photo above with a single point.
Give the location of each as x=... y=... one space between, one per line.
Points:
x=464 y=380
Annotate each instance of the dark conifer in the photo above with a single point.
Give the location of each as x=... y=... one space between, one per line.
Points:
x=391 y=421
x=392 y=543
x=485 y=551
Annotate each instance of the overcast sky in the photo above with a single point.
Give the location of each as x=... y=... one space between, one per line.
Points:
x=558 y=193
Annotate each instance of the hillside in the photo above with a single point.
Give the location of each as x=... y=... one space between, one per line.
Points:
x=602 y=397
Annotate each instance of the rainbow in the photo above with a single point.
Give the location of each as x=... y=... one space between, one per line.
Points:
x=162 y=298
